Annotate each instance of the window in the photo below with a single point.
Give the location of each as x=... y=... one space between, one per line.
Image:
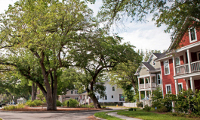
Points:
x=75 y=92
x=154 y=62
x=192 y=34
x=72 y=92
x=158 y=79
x=113 y=88
x=198 y=55
x=168 y=88
x=121 y=97
x=112 y=96
x=166 y=67
x=177 y=60
x=180 y=87
x=105 y=97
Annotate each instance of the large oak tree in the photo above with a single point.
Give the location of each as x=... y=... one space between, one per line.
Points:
x=37 y=35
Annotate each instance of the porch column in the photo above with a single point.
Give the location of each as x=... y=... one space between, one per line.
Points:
x=138 y=83
x=150 y=82
x=189 y=60
x=174 y=66
x=192 y=84
x=145 y=95
x=176 y=86
x=144 y=83
x=139 y=96
x=187 y=86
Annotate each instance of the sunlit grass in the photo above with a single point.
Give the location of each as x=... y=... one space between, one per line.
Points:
x=152 y=116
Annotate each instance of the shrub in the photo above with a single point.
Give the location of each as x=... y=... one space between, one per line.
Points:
x=87 y=106
x=130 y=109
x=139 y=104
x=10 y=107
x=20 y=106
x=58 y=103
x=147 y=108
x=34 y=103
x=30 y=103
x=162 y=109
x=71 y=103
x=38 y=102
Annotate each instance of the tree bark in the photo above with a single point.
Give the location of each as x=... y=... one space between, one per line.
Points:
x=34 y=91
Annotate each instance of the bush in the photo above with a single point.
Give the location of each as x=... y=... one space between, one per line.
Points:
x=34 y=103
x=10 y=107
x=147 y=108
x=139 y=104
x=38 y=102
x=58 y=103
x=162 y=109
x=20 y=106
x=132 y=109
x=70 y=103
x=30 y=103
x=87 y=106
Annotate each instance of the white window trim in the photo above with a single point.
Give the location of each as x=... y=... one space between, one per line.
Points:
x=179 y=61
x=168 y=67
x=160 y=79
x=181 y=86
x=166 y=87
x=190 y=35
x=198 y=55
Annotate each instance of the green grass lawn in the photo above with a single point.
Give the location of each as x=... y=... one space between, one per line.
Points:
x=105 y=116
x=152 y=116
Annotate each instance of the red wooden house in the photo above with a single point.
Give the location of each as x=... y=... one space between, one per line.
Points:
x=180 y=64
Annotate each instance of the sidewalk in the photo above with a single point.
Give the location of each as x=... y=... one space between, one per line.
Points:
x=122 y=117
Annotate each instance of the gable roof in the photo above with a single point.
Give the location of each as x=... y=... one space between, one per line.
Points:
x=149 y=66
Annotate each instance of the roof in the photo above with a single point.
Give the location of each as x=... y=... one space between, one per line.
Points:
x=158 y=54
x=149 y=66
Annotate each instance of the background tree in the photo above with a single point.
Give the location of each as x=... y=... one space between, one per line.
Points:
x=172 y=13
x=99 y=53
x=37 y=36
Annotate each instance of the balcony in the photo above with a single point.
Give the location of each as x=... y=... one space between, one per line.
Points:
x=147 y=86
x=184 y=69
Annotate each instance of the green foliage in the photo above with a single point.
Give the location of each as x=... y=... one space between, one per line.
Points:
x=157 y=98
x=40 y=96
x=12 y=107
x=34 y=103
x=30 y=103
x=188 y=102
x=87 y=106
x=139 y=104
x=147 y=108
x=132 y=109
x=162 y=108
x=105 y=116
x=70 y=103
x=58 y=103
x=151 y=115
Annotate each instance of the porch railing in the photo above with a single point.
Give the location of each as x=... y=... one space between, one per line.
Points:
x=195 y=66
x=182 y=69
x=147 y=85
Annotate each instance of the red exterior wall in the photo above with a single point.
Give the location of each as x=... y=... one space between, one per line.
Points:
x=186 y=40
x=168 y=79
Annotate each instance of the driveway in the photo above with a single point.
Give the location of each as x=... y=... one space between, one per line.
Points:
x=46 y=115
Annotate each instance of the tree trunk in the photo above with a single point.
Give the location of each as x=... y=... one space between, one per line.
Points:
x=95 y=101
x=34 y=91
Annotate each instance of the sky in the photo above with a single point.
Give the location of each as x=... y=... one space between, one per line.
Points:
x=143 y=35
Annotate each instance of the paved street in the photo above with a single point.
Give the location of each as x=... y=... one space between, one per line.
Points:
x=58 y=115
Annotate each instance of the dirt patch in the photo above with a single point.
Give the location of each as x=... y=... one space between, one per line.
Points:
x=92 y=118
